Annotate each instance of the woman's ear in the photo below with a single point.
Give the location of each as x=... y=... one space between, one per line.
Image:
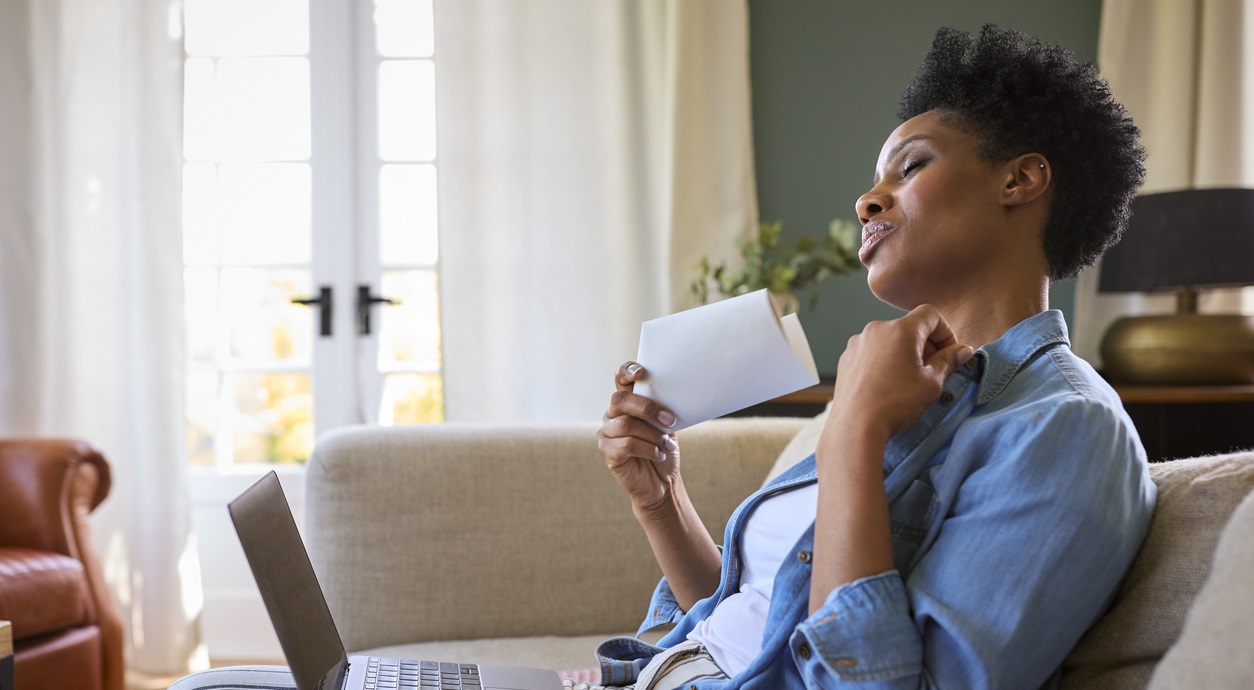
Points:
x=1027 y=178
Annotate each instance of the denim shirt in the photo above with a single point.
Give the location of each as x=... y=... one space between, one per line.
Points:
x=1017 y=503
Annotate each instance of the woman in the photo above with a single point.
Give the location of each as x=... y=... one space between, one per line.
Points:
x=977 y=492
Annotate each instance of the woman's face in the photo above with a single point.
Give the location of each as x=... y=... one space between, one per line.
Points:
x=931 y=221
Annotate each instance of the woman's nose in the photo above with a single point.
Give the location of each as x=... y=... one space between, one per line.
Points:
x=872 y=203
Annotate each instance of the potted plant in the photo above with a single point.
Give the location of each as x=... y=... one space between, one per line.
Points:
x=782 y=268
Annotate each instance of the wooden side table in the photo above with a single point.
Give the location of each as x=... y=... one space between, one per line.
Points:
x=6 y=656
x=1186 y=421
x=1173 y=421
x=806 y=402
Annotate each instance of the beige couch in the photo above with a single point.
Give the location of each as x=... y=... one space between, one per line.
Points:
x=513 y=545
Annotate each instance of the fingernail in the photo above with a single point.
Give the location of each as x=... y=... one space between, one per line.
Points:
x=669 y=445
x=666 y=419
x=661 y=456
x=965 y=354
x=633 y=368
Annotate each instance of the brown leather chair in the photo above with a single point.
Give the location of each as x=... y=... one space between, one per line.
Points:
x=66 y=628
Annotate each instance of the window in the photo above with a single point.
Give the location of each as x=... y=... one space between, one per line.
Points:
x=310 y=243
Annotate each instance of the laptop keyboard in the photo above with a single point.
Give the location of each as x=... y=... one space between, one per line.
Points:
x=394 y=674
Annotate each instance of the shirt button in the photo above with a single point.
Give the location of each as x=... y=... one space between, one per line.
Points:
x=804 y=651
x=971 y=363
x=947 y=398
x=804 y=556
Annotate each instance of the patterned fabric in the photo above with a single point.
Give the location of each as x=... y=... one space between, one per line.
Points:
x=238 y=678
x=684 y=663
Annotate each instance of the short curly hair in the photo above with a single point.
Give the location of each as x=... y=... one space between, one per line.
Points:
x=1017 y=95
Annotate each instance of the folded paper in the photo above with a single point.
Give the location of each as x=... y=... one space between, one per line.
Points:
x=722 y=357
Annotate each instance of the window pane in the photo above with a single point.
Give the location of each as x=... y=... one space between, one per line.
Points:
x=263 y=108
x=200 y=317
x=202 y=416
x=403 y=28
x=412 y=399
x=246 y=27
x=406 y=110
x=200 y=203
x=200 y=120
x=271 y=417
x=265 y=211
x=407 y=215
x=409 y=334
x=265 y=327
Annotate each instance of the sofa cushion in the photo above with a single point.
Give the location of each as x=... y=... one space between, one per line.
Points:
x=1196 y=497
x=1214 y=650
x=801 y=445
x=581 y=565
x=43 y=592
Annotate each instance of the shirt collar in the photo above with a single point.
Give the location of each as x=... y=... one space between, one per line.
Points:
x=1001 y=359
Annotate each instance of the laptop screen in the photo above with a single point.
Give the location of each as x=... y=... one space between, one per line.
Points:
x=288 y=585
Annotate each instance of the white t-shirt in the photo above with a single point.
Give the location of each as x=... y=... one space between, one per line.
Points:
x=733 y=632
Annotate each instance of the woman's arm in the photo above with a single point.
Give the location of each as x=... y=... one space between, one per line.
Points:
x=645 y=462
x=886 y=379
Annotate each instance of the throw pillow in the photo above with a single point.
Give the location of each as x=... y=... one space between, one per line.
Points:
x=1196 y=497
x=1214 y=650
x=801 y=445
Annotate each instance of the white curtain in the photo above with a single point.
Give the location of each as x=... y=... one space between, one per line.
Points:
x=589 y=154
x=91 y=286
x=1185 y=71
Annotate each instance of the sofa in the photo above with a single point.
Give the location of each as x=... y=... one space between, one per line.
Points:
x=513 y=545
x=67 y=632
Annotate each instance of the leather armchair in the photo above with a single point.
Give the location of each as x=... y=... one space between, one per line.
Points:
x=66 y=629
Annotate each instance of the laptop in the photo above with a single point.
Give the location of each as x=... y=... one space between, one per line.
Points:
x=302 y=619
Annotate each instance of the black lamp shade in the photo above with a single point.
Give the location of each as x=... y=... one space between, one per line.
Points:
x=1190 y=238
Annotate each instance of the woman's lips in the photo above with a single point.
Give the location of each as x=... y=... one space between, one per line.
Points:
x=872 y=234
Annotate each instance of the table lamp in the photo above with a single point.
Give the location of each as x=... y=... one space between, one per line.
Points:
x=1182 y=241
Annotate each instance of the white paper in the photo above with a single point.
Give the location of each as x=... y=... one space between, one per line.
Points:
x=723 y=357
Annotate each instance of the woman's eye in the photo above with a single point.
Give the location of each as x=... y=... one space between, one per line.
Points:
x=912 y=166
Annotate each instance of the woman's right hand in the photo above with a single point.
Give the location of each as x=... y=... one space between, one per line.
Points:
x=643 y=458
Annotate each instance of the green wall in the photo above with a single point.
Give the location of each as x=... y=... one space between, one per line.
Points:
x=826 y=78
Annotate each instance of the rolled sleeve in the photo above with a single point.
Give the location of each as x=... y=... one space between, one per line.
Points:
x=664 y=609
x=863 y=634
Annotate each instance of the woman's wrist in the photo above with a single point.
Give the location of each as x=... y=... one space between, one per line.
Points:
x=664 y=509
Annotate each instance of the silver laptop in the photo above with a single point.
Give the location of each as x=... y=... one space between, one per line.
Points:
x=303 y=621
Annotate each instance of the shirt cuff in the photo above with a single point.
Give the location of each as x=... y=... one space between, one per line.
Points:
x=863 y=633
x=663 y=608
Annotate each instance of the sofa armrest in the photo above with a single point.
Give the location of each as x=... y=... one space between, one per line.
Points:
x=475 y=531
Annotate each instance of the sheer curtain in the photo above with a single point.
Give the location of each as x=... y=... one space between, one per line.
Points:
x=1185 y=71
x=91 y=282
x=590 y=153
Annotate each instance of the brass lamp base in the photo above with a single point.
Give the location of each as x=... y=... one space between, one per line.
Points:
x=1180 y=349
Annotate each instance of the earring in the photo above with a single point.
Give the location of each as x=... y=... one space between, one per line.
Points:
x=1042 y=166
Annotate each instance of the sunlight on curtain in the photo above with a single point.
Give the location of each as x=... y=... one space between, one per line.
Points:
x=90 y=305
x=590 y=153
x=1185 y=71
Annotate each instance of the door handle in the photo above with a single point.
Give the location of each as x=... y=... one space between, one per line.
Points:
x=323 y=302
x=365 y=300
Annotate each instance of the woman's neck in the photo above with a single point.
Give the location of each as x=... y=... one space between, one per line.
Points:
x=979 y=318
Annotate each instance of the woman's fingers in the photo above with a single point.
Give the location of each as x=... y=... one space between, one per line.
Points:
x=627 y=426
x=623 y=449
x=627 y=375
x=624 y=402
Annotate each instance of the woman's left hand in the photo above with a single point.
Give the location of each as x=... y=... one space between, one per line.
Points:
x=891 y=372
x=886 y=379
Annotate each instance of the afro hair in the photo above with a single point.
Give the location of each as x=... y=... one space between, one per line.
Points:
x=1016 y=95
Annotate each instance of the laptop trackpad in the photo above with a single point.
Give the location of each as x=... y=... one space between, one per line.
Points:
x=515 y=678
